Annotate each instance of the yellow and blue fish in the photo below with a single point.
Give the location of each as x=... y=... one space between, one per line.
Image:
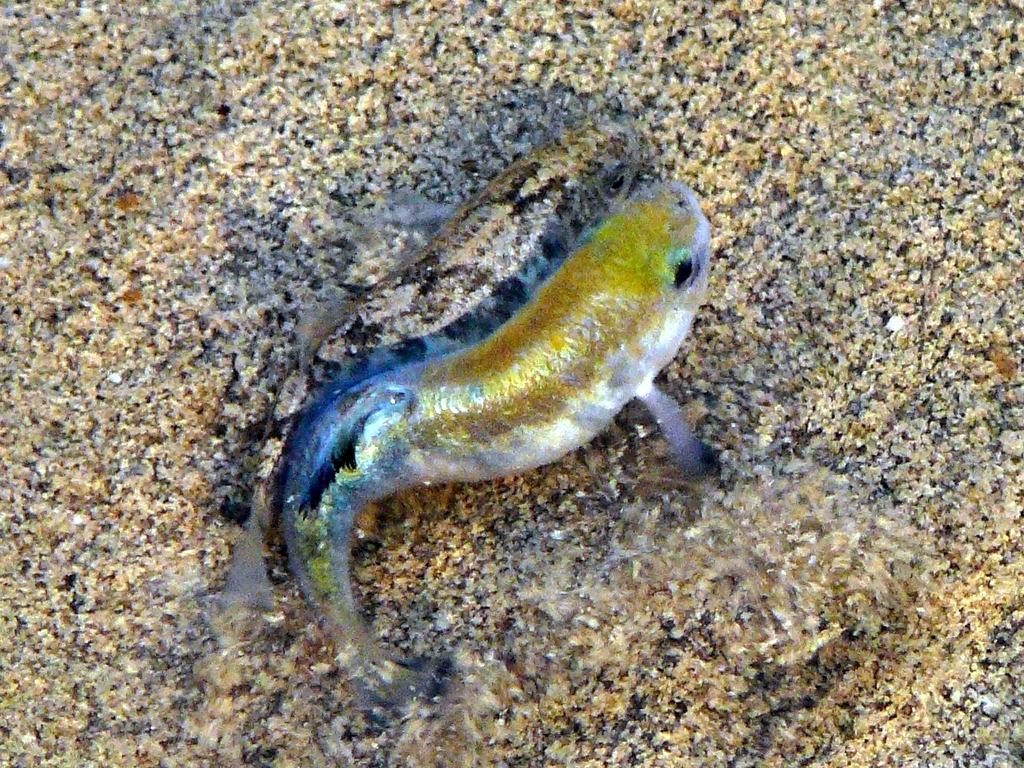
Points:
x=592 y=337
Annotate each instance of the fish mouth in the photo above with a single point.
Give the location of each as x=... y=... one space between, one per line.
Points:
x=325 y=443
x=319 y=445
x=321 y=442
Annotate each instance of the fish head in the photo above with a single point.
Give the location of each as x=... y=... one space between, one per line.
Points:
x=350 y=435
x=604 y=164
x=655 y=249
x=688 y=256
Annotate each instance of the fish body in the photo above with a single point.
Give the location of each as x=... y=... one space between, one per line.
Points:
x=592 y=337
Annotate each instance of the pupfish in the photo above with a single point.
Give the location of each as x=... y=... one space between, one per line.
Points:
x=589 y=339
x=481 y=262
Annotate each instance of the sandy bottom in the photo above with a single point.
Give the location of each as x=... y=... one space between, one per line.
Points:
x=177 y=187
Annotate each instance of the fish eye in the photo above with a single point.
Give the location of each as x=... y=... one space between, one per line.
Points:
x=617 y=177
x=684 y=269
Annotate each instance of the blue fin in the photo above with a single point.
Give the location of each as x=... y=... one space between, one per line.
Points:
x=695 y=458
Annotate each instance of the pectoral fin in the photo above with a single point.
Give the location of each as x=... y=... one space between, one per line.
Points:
x=411 y=211
x=695 y=458
x=247 y=579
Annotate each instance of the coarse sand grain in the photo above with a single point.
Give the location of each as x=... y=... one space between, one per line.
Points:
x=180 y=183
